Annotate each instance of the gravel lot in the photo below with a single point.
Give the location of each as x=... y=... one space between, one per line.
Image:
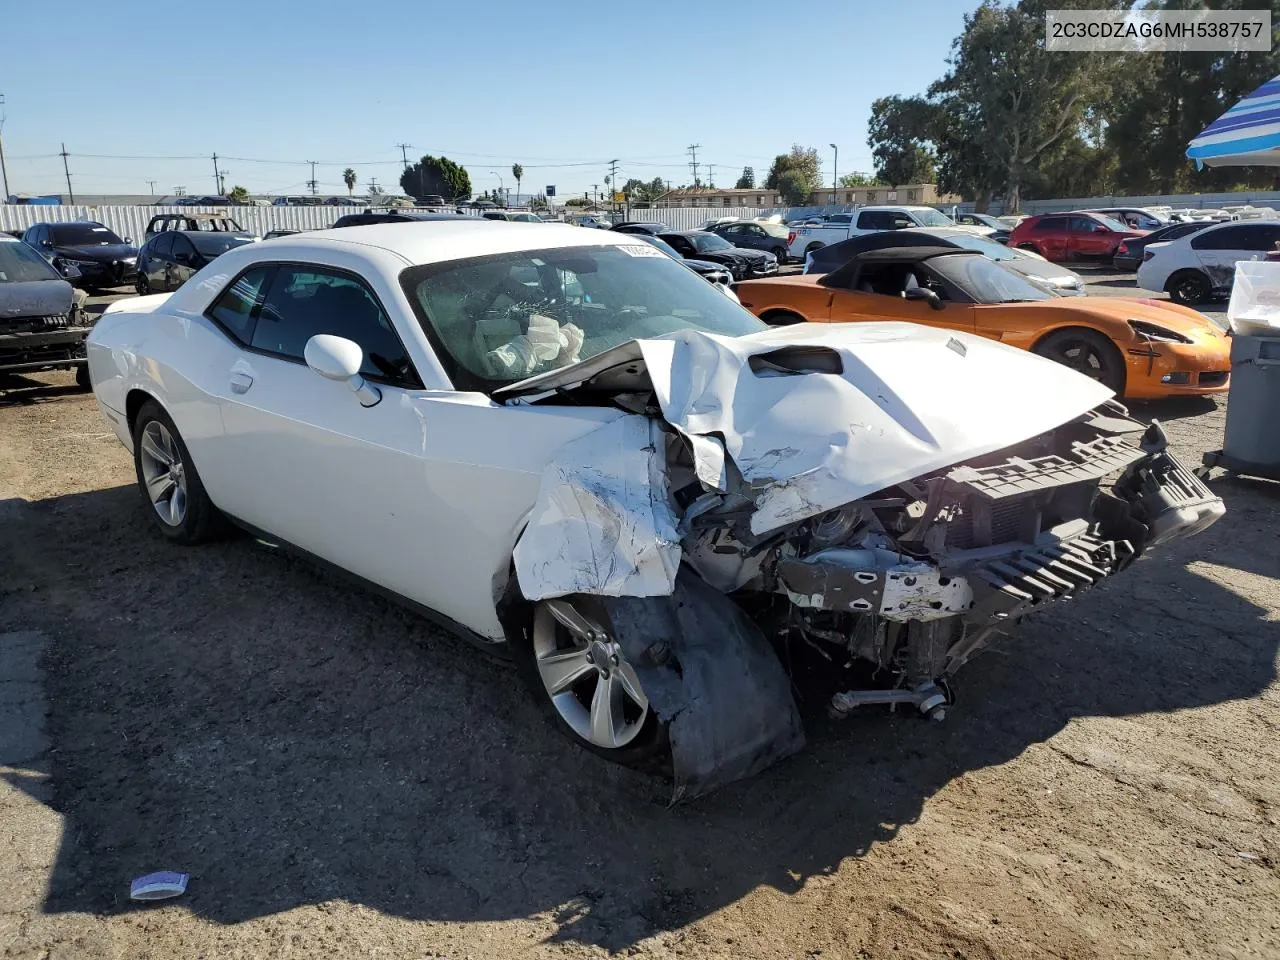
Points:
x=342 y=779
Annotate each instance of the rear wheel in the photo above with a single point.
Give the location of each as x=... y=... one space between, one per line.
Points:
x=814 y=246
x=582 y=677
x=1087 y=352
x=1188 y=287
x=82 y=377
x=1029 y=246
x=781 y=254
x=142 y=285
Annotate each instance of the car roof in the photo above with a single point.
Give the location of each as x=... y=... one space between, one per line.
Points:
x=914 y=253
x=195 y=216
x=460 y=239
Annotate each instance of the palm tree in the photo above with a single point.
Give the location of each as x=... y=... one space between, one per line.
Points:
x=517 y=171
x=349 y=178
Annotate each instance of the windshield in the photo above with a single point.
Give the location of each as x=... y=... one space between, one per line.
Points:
x=971 y=241
x=1112 y=223
x=710 y=242
x=932 y=218
x=21 y=264
x=499 y=319
x=213 y=244
x=661 y=244
x=987 y=281
x=83 y=235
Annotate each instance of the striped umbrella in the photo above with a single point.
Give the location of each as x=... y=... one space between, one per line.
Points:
x=1246 y=135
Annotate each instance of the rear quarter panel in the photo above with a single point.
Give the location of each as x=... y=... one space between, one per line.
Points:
x=764 y=296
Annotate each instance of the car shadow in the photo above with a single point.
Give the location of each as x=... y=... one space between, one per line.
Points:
x=1172 y=408
x=288 y=739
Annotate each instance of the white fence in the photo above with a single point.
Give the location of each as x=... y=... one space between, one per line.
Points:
x=132 y=221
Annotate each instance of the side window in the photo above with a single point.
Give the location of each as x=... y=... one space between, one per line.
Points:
x=875 y=220
x=183 y=250
x=1260 y=236
x=162 y=245
x=1051 y=223
x=233 y=310
x=303 y=301
x=1225 y=238
x=1081 y=225
x=736 y=230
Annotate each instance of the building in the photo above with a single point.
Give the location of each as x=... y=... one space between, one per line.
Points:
x=918 y=193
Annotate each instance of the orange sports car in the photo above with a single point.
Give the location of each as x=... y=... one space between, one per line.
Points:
x=1141 y=349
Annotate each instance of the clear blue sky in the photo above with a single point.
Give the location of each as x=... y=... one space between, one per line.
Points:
x=561 y=87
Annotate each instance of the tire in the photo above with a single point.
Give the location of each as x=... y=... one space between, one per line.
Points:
x=1188 y=287
x=782 y=318
x=82 y=378
x=159 y=455
x=781 y=254
x=142 y=285
x=813 y=246
x=1030 y=246
x=568 y=643
x=1087 y=352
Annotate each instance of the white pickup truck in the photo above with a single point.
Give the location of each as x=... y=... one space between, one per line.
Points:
x=841 y=226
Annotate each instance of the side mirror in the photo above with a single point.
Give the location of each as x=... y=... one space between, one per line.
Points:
x=337 y=358
x=924 y=293
x=1099 y=228
x=128 y=239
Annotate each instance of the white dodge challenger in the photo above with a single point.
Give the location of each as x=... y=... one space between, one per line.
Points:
x=562 y=442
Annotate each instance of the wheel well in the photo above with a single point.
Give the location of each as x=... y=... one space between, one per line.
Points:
x=781 y=318
x=132 y=404
x=1181 y=271
x=1118 y=356
x=816 y=245
x=1028 y=246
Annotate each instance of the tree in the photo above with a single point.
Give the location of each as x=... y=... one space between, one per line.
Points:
x=899 y=136
x=804 y=162
x=517 y=171
x=860 y=180
x=642 y=191
x=578 y=202
x=538 y=202
x=793 y=187
x=349 y=178
x=238 y=195
x=436 y=175
x=747 y=181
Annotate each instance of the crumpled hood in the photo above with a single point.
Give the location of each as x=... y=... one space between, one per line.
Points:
x=814 y=416
x=35 y=298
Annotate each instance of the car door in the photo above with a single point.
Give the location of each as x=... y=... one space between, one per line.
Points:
x=182 y=264
x=157 y=262
x=1218 y=250
x=877 y=292
x=1084 y=241
x=1049 y=236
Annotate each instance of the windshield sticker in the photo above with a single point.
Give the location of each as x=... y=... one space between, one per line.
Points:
x=643 y=250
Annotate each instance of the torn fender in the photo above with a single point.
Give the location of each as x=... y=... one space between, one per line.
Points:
x=602 y=523
x=709 y=672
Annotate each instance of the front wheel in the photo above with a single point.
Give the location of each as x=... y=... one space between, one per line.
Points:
x=1087 y=352
x=142 y=285
x=781 y=254
x=167 y=477
x=581 y=675
x=1188 y=287
x=82 y=377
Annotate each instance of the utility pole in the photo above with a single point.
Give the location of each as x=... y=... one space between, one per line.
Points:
x=711 y=175
x=693 y=162
x=404 y=155
x=152 y=185
x=71 y=197
x=613 y=180
x=312 y=182
x=4 y=171
x=217 y=177
x=835 y=165
x=595 y=189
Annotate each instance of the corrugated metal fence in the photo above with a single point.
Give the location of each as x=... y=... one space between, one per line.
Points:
x=132 y=221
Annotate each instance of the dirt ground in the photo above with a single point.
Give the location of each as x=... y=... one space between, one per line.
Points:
x=342 y=779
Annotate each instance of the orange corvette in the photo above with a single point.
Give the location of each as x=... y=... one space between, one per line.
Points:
x=1142 y=349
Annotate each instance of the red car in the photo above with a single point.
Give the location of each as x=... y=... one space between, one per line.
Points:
x=1072 y=236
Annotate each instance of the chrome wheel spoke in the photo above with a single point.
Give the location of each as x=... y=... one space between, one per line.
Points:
x=606 y=712
x=158 y=487
x=177 y=505
x=626 y=677
x=568 y=616
x=563 y=669
x=151 y=447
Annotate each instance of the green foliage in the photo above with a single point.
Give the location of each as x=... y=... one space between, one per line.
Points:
x=349 y=178
x=861 y=180
x=801 y=161
x=538 y=202
x=517 y=172
x=794 y=188
x=238 y=195
x=438 y=175
x=899 y=133
x=578 y=202
x=644 y=191
x=748 y=179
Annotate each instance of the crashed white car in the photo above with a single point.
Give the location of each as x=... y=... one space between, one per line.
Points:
x=568 y=444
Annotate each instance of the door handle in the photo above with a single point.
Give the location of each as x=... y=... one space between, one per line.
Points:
x=240 y=382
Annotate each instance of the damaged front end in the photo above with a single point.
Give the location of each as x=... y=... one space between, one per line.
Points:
x=855 y=512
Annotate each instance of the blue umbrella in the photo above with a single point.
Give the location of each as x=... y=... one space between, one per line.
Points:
x=1246 y=135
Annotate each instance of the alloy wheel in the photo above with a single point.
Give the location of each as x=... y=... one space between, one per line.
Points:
x=1081 y=357
x=587 y=677
x=163 y=473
